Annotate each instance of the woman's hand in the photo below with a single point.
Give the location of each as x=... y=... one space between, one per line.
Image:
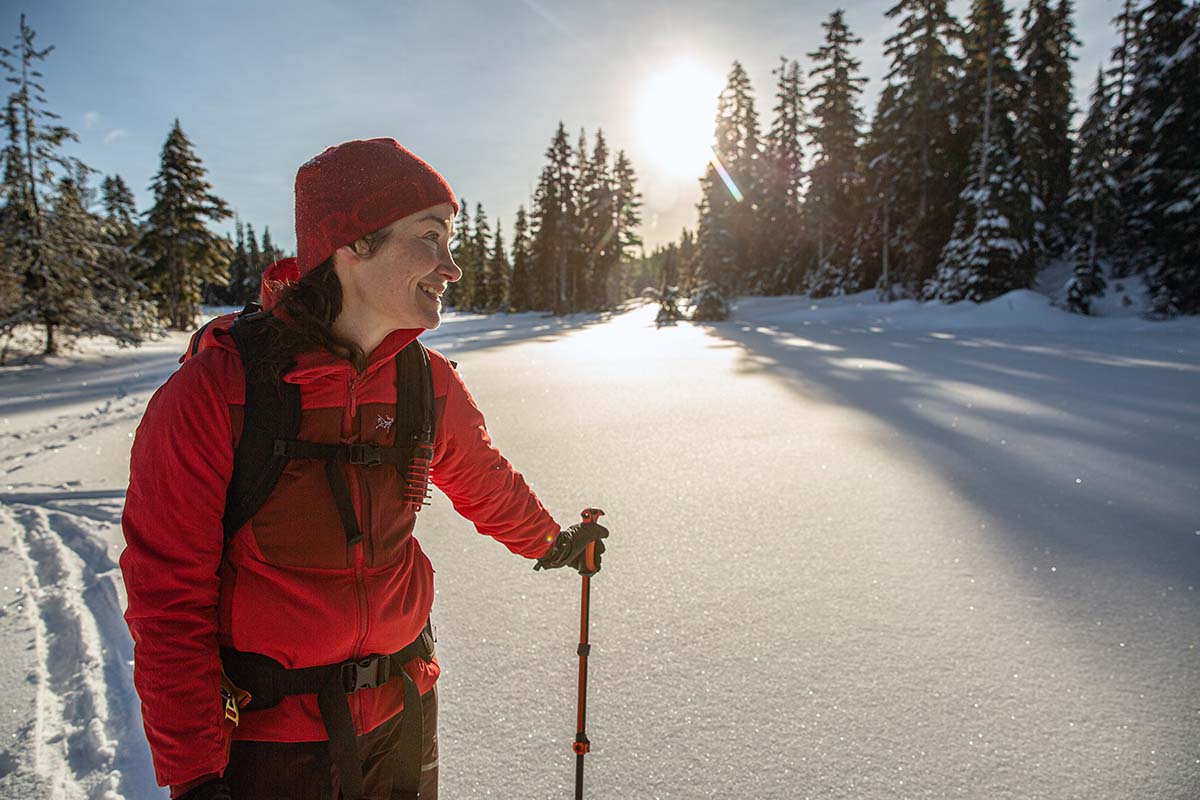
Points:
x=570 y=547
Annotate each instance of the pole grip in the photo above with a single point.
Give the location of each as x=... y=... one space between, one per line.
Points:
x=589 y=554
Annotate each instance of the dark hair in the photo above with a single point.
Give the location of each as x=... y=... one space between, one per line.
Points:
x=302 y=318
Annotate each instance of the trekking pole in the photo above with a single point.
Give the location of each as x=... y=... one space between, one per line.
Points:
x=582 y=745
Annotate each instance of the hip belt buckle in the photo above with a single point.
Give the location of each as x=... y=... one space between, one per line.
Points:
x=365 y=673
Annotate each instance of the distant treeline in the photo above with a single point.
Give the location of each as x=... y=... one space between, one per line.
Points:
x=969 y=178
x=567 y=252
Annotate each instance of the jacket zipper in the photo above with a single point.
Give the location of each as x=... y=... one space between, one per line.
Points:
x=360 y=548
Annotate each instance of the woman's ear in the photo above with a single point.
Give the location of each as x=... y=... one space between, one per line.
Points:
x=355 y=251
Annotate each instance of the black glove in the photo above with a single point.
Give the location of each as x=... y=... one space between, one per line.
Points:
x=216 y=789
x=568 y=549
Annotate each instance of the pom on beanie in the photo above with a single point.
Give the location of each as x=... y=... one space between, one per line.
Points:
x=275 y=278
x=356 y=188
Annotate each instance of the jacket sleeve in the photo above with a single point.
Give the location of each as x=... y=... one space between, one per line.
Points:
x=180 y=466
x=481 y=483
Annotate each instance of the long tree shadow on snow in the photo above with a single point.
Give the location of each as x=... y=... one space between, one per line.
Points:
x=1134 y=398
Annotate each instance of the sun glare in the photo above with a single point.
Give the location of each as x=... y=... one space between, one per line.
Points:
x=676 y=107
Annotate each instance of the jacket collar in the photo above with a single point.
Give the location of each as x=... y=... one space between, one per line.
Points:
x=317 y=364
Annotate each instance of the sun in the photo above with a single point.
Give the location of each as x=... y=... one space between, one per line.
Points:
x=676 y=106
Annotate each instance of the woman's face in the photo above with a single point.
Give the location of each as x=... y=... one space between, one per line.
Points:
x=401 y=285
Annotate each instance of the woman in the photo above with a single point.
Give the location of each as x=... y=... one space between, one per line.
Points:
x=282 y=647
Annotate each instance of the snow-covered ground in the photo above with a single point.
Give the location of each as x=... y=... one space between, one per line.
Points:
x=859 y=551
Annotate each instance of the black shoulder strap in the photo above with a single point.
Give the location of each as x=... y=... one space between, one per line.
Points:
x=271 y=411
x=416 y=420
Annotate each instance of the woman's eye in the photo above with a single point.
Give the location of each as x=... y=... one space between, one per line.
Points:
x=433 y=236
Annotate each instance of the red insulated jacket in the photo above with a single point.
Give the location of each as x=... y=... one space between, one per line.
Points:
x=288 y=585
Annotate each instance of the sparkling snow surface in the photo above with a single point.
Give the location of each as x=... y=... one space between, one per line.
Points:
x=858 y=551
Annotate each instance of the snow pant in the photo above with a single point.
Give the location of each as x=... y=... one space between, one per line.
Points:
x=304 y=770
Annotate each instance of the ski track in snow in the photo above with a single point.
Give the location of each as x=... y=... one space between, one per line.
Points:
x=82 y=650
x=83 y=736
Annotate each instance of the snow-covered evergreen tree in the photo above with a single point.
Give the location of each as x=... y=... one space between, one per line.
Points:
x=120 y=211
x=94 y=291
x=991 y=248
x=34 y=163
x=780 y=226
x=1044 y=115
x=834 y=199
x=1160 y=179
x=916 y=163
x=184 y=254
x=1092 y=204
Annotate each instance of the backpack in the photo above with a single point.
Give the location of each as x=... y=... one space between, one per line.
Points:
x=271 y=423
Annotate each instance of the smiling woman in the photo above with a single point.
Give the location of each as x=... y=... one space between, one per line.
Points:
x=675 y=110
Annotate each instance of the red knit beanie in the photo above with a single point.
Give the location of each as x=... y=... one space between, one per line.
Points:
x=357 y=188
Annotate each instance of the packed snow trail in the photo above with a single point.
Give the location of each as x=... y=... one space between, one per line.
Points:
x=856 y=553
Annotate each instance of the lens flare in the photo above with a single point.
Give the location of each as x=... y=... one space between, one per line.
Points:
x=725 y=176
x=675 y=108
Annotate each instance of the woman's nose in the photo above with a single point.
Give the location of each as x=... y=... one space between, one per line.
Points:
x=449 y=269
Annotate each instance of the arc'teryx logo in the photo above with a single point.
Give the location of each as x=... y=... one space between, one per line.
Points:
x=384 y=422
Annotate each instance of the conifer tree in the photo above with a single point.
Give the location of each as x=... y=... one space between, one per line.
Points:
x=916 y=163
x=835 y=192
x=1160 y=177
x=1044 y=115
x=481 y=290
x=596 y=224
x=872 y=256
x=184 y=254
x=248 y=288
x=991 y=249
x=120 y=211
x=270 y=253
x=499 y=274
x=729 y=189
x=554 y=214
x=239 y=264
x=688 y=257
x=95 y=293
x=779 y=219
x=628 y=204
x=520 y=297
x=1092 y=204
x=33 y=165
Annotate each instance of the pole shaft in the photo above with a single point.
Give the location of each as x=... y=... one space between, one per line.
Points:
x=581 y=721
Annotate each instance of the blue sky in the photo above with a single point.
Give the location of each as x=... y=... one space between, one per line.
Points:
x=476 y=88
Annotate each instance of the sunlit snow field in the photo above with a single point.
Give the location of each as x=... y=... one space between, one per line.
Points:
x=858 y=551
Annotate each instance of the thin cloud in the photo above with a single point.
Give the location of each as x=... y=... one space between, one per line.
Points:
x=90 y=119
x=114 y=135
